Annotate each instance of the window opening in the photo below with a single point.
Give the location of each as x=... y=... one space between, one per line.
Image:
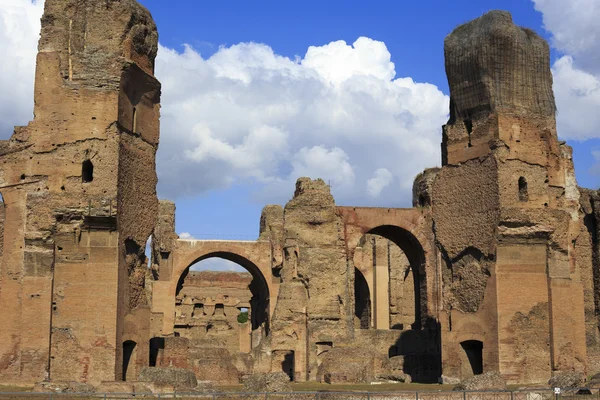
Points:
x=523 y=191
x=87 y=171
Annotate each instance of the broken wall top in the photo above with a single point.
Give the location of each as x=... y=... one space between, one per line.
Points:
x=493 y=65
x=95 y=38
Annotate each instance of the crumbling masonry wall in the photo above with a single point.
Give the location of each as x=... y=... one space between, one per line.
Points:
x=495 y=268
x=80 y=182
x=505 y=209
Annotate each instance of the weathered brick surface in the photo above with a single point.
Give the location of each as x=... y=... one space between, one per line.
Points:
x=496 y=268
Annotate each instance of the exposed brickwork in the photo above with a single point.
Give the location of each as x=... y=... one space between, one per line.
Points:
x=496 y=268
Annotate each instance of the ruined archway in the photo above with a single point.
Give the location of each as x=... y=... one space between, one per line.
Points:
x=393 y=260
x=231 y=307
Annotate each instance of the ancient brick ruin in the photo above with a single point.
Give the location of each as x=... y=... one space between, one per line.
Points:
x=495 y=268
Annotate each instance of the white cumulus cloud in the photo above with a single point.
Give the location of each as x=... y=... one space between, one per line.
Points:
x=186 y=236
x=575 y=29
x=578 y=100
x=338 y=61
x=380 y=180
x=575 y=33
x=246 y=114
x=217 y=264
x=19 y=34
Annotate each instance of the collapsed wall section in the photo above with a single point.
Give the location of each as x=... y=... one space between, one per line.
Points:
x=314 y=251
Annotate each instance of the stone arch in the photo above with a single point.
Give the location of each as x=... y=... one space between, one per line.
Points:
x=253 y=256
x=260 y=303
x=410 y=229
x=415 y=254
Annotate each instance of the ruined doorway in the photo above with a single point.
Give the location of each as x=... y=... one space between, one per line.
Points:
x=156 y=346
x=362 y=301
x=283 y=360
x=210 y=294
x=129 y=357
x=87 y=171
x=322 y=349
x=474 y=352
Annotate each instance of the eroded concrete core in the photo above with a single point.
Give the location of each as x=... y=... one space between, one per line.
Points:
x=495 y=268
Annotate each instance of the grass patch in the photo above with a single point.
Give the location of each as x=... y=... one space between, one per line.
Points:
x=6 y=388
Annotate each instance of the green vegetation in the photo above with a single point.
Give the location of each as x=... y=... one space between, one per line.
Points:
x=243 y=317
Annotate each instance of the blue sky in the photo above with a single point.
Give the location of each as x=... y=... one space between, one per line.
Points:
x=413 y=32
x=258 y=93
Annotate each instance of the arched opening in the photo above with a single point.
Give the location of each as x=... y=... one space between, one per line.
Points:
x=242 y=317
x=392 y=261
x=523 y=190
x=410 y=269
x=87 y=171
x=223 y=298
x=157 y=345
x=129 y=370
x=474 y=351
x=362 y=301
x=283 y=360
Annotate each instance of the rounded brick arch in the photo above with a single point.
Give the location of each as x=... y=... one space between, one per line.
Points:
x=255 y=256
x=249 y=255
x=368 y=220
x=411 y=231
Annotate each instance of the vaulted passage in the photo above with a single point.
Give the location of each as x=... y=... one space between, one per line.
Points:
x=391 y=261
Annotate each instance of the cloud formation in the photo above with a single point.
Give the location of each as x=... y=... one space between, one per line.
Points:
x=247 y=114
x=217 y=264
x=19 y=34
x=576 y=34
x=186 y=236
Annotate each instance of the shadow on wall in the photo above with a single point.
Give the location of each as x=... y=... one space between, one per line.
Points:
x=421 y=351
x=362 y=300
